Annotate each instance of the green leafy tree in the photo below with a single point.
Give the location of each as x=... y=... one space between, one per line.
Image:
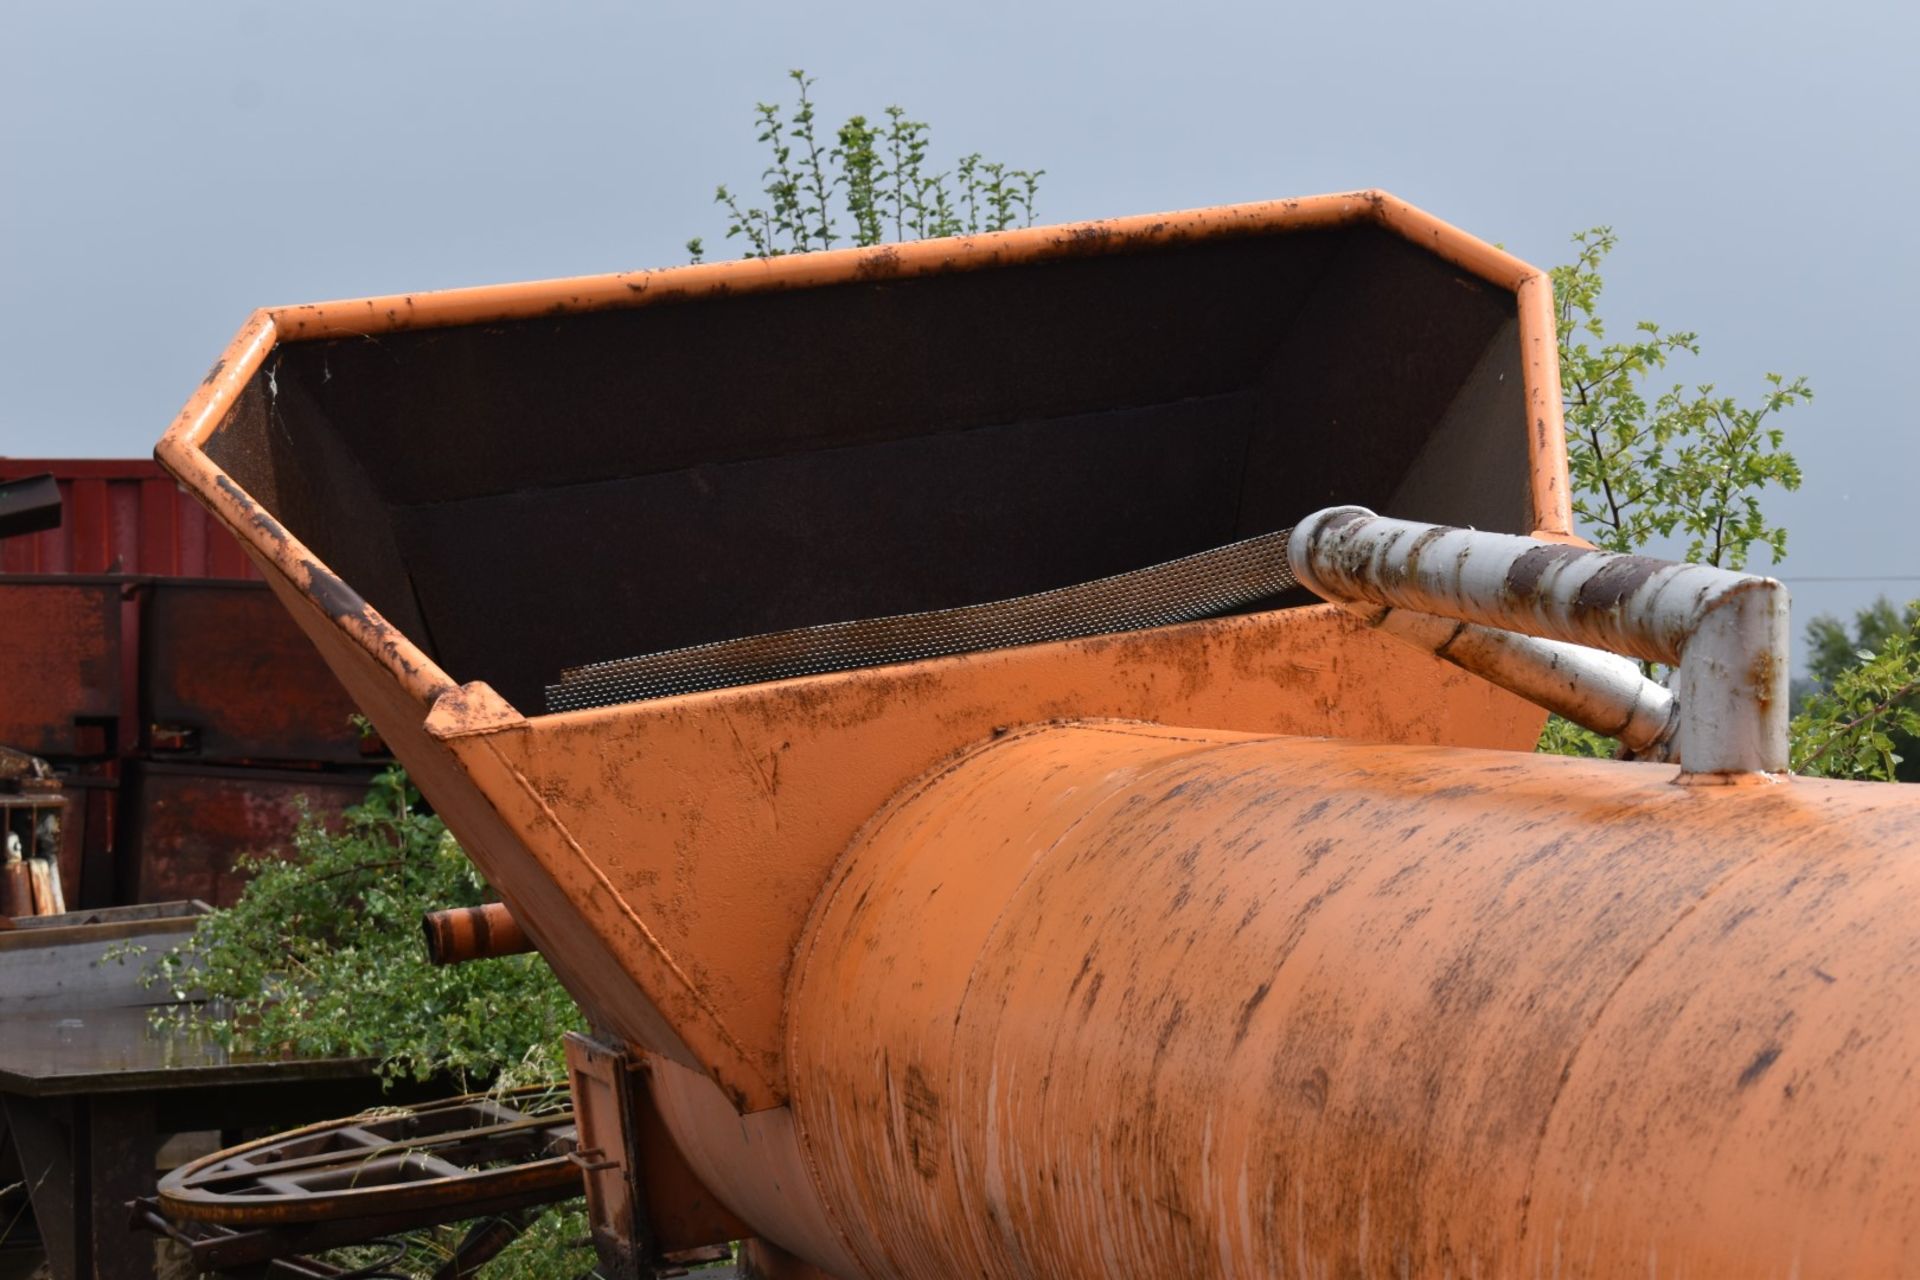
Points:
x=1649 y=464
x=876 y=174
x=1654 y=466
x=322 y=956
x=1861 y=720
x=1832 y=649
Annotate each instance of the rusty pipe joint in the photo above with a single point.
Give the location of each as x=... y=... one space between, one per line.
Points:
x=485 y=932
x=1726 y=632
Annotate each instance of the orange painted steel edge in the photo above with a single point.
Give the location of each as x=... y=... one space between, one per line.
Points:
x=738 y=1039
x=181 y=450
x=437 y=309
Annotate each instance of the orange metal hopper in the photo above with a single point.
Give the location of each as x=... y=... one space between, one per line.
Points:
x=1242 y=946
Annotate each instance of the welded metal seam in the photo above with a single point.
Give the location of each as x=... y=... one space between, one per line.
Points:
x=693 y=990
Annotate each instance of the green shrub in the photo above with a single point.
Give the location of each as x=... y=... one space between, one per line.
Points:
x=323 y=956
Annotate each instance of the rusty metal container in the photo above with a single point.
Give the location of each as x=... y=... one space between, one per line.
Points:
x=175 y=766
x=1246 y=945
x=120 y=515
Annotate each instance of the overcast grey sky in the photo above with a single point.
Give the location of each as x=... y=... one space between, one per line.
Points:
x=164 y=168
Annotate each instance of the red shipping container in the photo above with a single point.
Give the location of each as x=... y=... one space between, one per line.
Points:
x=122 y=515
x=165 y=760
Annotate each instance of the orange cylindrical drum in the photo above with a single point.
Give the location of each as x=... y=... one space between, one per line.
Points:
x=1111 y=999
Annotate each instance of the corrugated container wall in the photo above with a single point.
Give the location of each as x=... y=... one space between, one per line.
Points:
x=173 y=768
x=121 y=515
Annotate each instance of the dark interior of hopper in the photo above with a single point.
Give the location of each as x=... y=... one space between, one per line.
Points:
x=525 y=496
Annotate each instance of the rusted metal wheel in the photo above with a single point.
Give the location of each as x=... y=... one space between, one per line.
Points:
x=476 y=1155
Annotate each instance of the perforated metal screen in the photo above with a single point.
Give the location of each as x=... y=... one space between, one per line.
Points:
x=1208 y=584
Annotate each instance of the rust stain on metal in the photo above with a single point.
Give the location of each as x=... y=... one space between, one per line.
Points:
x=1051 y=959
x=257 y=519
x=922 y=1131
x=334 y=596
x=486 y=932
x=470 y=708
x=1611 y=587
x=1763 y=679
x=1422 y=542
x=1523 y=579
x=883 y=263
x=1451 y=1022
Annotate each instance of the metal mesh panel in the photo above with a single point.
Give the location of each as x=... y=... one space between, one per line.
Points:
x=1205 y=585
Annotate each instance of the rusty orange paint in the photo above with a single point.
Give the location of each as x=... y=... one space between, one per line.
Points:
x=1254 y=946
x=628 y=803
x=485 y=932
x=598 y=828
x=1104 y=999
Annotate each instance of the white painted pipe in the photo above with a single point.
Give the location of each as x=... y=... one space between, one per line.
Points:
x=1603 y=691
x=1726 y=632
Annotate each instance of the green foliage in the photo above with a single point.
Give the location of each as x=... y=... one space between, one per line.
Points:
x=322 y=955
x=876 y=173
x=555 y=1245
x=1648 y=464
x=1562 y=737
x=1832 y=649
x=1862 y=722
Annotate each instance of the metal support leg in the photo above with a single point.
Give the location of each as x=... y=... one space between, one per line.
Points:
x=84 y=1159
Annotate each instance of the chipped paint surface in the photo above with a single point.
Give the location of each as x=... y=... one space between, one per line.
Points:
x=1105 y=997
x=602 y=834
x=1727 y=632
x=665 y=857
x=691 y=835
